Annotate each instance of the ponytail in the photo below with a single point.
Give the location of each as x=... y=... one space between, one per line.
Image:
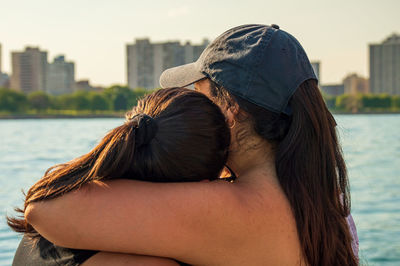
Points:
x=117 y=159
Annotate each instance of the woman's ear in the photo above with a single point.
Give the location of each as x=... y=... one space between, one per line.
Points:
x=231 y=114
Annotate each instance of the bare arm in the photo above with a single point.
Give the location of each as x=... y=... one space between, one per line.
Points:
x=160 y=219
x=120 y=259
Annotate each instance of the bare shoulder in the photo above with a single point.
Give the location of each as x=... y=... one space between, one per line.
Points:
x=255 y=223
x=270 y=224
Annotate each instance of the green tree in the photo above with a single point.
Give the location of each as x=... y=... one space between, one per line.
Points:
x=385 y=101
x=64 y=102
x=348 y=103
x=330 y=101
x=120 y=97
x=396 y=102
x=81 y=100
x=124 y=98
x=98 y=101
x=12 y=101
x=39 y=100
x=120 y=102
x=376 y=101
x=77 y=101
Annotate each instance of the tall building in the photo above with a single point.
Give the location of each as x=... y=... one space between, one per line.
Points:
x=140 y=63
x=193 y=52
x=146 y=61
x=354 y=84
x=60 y=78
x=29 y=70
x=384 y=66
x=316 y=65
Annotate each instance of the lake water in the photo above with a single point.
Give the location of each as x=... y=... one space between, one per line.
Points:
x=371 y=145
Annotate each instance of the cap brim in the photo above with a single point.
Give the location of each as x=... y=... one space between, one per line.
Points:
x=181 y=76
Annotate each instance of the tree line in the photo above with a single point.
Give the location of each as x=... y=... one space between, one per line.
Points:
x=363 y=103
x=113 y=99
x=121 y=98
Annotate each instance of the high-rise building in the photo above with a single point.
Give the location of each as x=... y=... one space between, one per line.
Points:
x=60 y=76
x=146 y=61
x=140 y=57
x=316 y=65
x=354 y=84
x=29 y=70
x=193 y=52
x=384 y=66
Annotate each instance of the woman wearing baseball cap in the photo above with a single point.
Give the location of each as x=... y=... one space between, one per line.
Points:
x=290 y=202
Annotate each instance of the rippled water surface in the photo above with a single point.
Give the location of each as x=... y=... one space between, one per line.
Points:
x=371 y=145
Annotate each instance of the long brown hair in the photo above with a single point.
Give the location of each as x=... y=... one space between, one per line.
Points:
x=310 y=169
x=172 y=135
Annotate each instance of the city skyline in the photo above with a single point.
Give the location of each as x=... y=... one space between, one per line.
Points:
x=94 y=33
x=146 y=60
x=315 y=63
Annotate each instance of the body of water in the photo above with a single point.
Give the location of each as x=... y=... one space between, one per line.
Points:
x=371 y=144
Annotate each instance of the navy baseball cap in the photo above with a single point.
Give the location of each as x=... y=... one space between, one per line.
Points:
x=261 y=64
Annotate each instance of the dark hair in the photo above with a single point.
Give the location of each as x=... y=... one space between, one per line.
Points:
x=310 y=168
x=171 y=135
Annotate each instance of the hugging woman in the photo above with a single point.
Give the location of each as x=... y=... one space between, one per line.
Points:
x=290 y=202
x=164 y=139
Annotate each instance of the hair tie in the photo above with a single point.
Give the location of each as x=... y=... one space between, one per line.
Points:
x=145 y=129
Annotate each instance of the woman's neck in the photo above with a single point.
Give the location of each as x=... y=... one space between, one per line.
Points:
x=254 y=155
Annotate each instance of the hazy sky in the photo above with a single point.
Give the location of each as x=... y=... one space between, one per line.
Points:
x=93 y=33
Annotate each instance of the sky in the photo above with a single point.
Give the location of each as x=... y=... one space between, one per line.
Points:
x=94 y=33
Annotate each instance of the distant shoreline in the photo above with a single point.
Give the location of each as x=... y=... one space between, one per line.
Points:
x=121 y=115
x=57 y=116
x=366 y=113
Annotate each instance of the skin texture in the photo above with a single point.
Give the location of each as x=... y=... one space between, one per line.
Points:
x=248 y=222
x=119 y=259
